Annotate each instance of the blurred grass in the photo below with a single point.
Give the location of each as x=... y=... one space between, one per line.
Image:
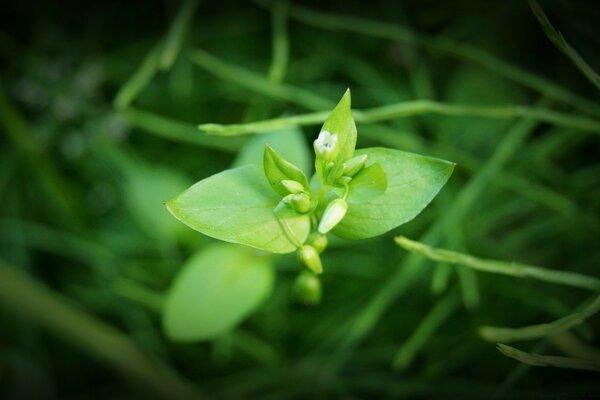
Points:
x=97 y=129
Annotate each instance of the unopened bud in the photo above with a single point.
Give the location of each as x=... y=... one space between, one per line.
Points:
x=318 y=241
x=334 y=213
x=293 y=187
x=310 y=258
x=354 y=165
x=326 y=145
x=299 y=202
x=307 y=289
x=343 y=180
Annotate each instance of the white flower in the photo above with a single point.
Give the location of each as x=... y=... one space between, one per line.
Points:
x=326 y=145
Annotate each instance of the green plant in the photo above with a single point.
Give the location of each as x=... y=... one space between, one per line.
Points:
x=276 y=208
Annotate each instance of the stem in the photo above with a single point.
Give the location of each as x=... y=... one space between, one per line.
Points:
x=176 y=34
x=257 y=82
x=140 y=78
x=496 y=334
x=280 y=41
x=414 y=108
x=175 y=130
x=501 y=267
x=99 y=340
x=539 y=360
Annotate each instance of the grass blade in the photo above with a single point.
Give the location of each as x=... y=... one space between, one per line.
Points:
x=559 y=41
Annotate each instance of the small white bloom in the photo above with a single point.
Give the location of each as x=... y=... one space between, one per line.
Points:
x=326 y=145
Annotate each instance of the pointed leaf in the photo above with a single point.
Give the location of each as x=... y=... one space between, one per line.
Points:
x=237 y=206
x=278 y=169
x=341 y=124
x=216 y=290
x=290 y=143
x=412 y=182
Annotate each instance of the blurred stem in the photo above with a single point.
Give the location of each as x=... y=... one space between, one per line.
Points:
x=561 y=44
x=569 y=344
x=60 y=193
x=257 y=82
x=176 y=130
x=496 y=334
x=464 y=51
x=412 y=108
x=280 y=41
x=539 y=360
x=177 y=33
x=501 y=267
x=140 y=78
x=442 y=310
x=42 y=306
x=140 y=294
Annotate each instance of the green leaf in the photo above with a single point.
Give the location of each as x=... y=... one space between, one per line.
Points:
x=289 y=142
x=237 y=206
x=216 y=290
x=412 y=182
x=341 y=123
x=278 y=169
x=368 y=184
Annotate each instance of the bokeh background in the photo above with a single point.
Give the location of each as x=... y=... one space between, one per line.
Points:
x=95 y=135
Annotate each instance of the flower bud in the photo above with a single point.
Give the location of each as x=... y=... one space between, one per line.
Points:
x=293 y=187
x=307 y=289
x=326 y=146
x=299 y=202
x=354 y=165
x=335 y=211
x=318 y=241
x=310 y=258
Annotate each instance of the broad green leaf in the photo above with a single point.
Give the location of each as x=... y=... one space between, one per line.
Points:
x=277 y=169
x=289 y=142
x=237 y=206
x=412 y=182
x=341 y=123
x=216 y=290
x=368 y=184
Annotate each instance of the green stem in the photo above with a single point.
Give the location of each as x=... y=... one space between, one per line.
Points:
x=175 y=130
x=140 y=78
x=496 y=334
x=539 y=360
x=257 y=82
x=176 y=34
x=99 y=340
x=501 y=267
x=280 y=41
x=413 y=108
